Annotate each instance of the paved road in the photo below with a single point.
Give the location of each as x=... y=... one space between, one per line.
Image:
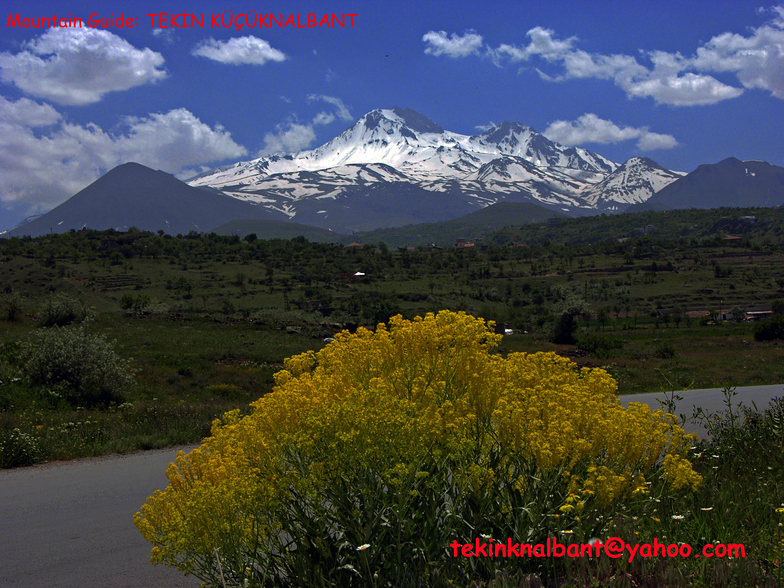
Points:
x=70 y=524
x=710 y=400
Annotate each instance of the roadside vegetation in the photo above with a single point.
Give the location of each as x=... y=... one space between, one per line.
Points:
x=379 y=459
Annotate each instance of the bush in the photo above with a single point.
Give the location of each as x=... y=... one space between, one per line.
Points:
x=769 y=329
x=371 y=456
x=599 y=345
x=17 y=449
x=63 y=310
x=83 y=367
x=141 y=304
x=666 y=351
x=11 y=307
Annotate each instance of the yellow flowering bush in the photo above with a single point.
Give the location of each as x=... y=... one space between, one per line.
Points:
x=374 y=453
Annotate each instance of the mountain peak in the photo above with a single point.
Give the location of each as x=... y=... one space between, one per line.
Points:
x=727 y=183
x=415 y=121
x=506 y=129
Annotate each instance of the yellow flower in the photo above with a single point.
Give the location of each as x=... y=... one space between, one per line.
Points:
x=391 y=403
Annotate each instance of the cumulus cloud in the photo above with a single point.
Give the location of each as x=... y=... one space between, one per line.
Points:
x=453 y=46
x=239 y=50
x=288 y=137
x=687 y=90
x=76 y=66
x=293 y=136
x=39 y=168
x=757 y=61
x=26 y=112
x=589 y=128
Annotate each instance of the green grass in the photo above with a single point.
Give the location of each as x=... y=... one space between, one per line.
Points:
x=214 y=332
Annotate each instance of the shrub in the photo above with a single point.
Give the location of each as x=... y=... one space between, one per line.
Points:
x=11 y=306
x=17 y=449
x=372 y=455
x=666 y=351
x=62 y=310
x=599 y=345
x=770 y=329
x=85 y=367
x=140 y=304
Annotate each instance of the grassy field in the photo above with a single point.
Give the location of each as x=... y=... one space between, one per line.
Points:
x=206 y=320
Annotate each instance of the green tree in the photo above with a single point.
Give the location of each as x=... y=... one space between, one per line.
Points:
x=677 y=316
x=567 y=310
x=602 y=315
x=11 y=306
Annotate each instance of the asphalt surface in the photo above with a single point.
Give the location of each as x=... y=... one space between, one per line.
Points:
x=70 y=524
x=711 y=400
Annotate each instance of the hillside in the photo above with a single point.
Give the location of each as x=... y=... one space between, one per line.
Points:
x=132 y=195
x=693 y=224
x=727 y=183
x=470 y=227
x=267 y=229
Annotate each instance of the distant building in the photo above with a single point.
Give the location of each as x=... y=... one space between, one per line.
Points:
x=354 y=275
x=755 y=315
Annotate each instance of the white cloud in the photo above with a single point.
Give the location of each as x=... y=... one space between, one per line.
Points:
x=78 y=66
x=589 y=128
x=665 y=82
x=341 y=110
x=40 y=170
x=652 y=141
x=455 y=46
x=757 y=60
x=288 y=138
x=293 y=136
x=487 y=127
x=323 y=118
x=239 y=50
x=26 y=112
x=687 y=90
x=167 y=35
x=174 y=140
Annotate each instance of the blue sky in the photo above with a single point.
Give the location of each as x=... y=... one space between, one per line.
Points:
x=683 y=83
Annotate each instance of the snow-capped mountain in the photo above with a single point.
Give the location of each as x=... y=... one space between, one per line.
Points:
x=388 y=149
x=631 y=183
